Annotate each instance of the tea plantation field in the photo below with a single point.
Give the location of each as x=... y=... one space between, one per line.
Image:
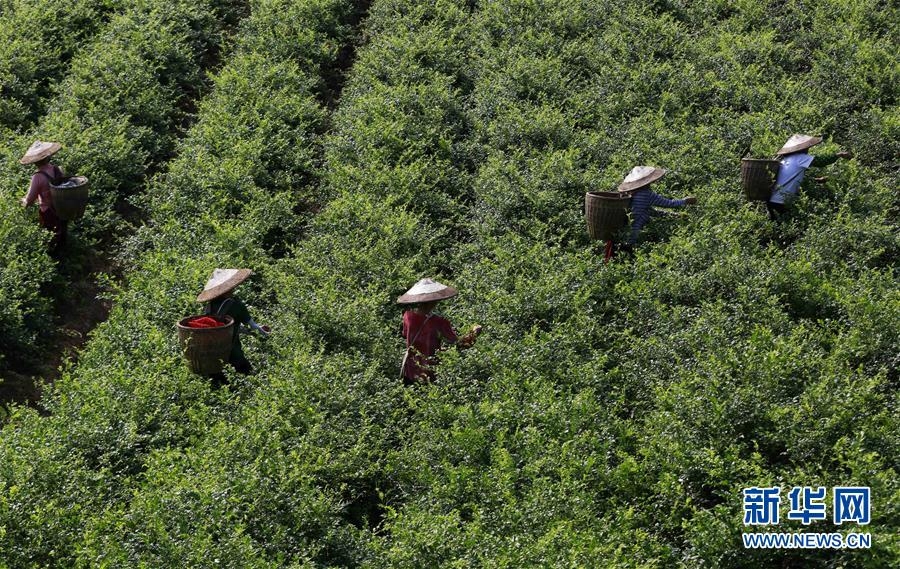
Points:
x=610 y=415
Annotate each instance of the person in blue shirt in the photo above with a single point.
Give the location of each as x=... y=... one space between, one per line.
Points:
x=644 y=201
x=795 y=160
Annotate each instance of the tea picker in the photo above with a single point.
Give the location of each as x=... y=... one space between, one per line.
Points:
x=794 y=161
x=425 y=331
x=606 y=211
x=214 y=337
x=644 y=201
x=39 y=154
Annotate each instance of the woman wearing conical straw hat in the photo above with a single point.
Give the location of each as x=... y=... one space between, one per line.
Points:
x=425 y=331
x=218 y=294
x=795 y=160
x=39 y=154
x=644 y=200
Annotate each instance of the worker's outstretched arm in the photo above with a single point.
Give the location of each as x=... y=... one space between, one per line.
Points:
x=658 y=200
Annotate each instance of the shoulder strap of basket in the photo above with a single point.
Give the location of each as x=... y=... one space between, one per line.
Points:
x=224 y=306
x=57 y=174
x=416 y=337
x=422 y=327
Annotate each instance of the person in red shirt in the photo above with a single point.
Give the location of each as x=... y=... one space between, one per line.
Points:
x=39 y=154
x=425 y=331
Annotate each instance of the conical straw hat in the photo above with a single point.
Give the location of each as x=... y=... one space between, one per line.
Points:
x=427 y=290
x=38 y=151
x=641 y=176
x=223 y=281
x=798 y=142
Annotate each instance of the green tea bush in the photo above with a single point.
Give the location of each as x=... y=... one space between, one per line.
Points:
x=723 y=332
x=37 y=42
x=324 y=421
x=245 y=162
x=610 y=414
x=130 y=87
x=25 y=267
x=116 y=115
x=397 y=166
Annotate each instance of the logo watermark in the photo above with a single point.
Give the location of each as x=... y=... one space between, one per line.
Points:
x=807 y=505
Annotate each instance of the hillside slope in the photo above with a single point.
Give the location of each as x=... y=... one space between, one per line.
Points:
x=610 y=415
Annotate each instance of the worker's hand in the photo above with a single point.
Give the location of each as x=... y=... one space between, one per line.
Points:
x=845 y=154
x=476 y=329
x=690 y=200
x=265 y=329
x=467 y=340
x=24 y=202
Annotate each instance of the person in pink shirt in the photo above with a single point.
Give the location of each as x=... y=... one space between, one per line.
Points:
x=425 y=332
x=39 y=154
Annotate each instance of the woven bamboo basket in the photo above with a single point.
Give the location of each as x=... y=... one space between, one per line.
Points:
x=606 y=214
x=69 y=203
x=758 y=178
x=206 y=349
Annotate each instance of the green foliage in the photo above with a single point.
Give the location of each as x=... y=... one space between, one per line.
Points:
x=25 y=266
x=609 y=415
x=37 y=42
x=255 y=137
x=701 y=349
x=116 y=115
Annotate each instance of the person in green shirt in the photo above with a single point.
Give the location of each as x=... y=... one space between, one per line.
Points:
x=218 y=294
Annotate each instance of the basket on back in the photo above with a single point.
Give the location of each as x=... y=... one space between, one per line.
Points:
x=758 y=178
x=70 y=197
x=606 y=213
x=206 y=349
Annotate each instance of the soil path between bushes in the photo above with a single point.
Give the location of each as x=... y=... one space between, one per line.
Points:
x=334 y=75
x=78 y=308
